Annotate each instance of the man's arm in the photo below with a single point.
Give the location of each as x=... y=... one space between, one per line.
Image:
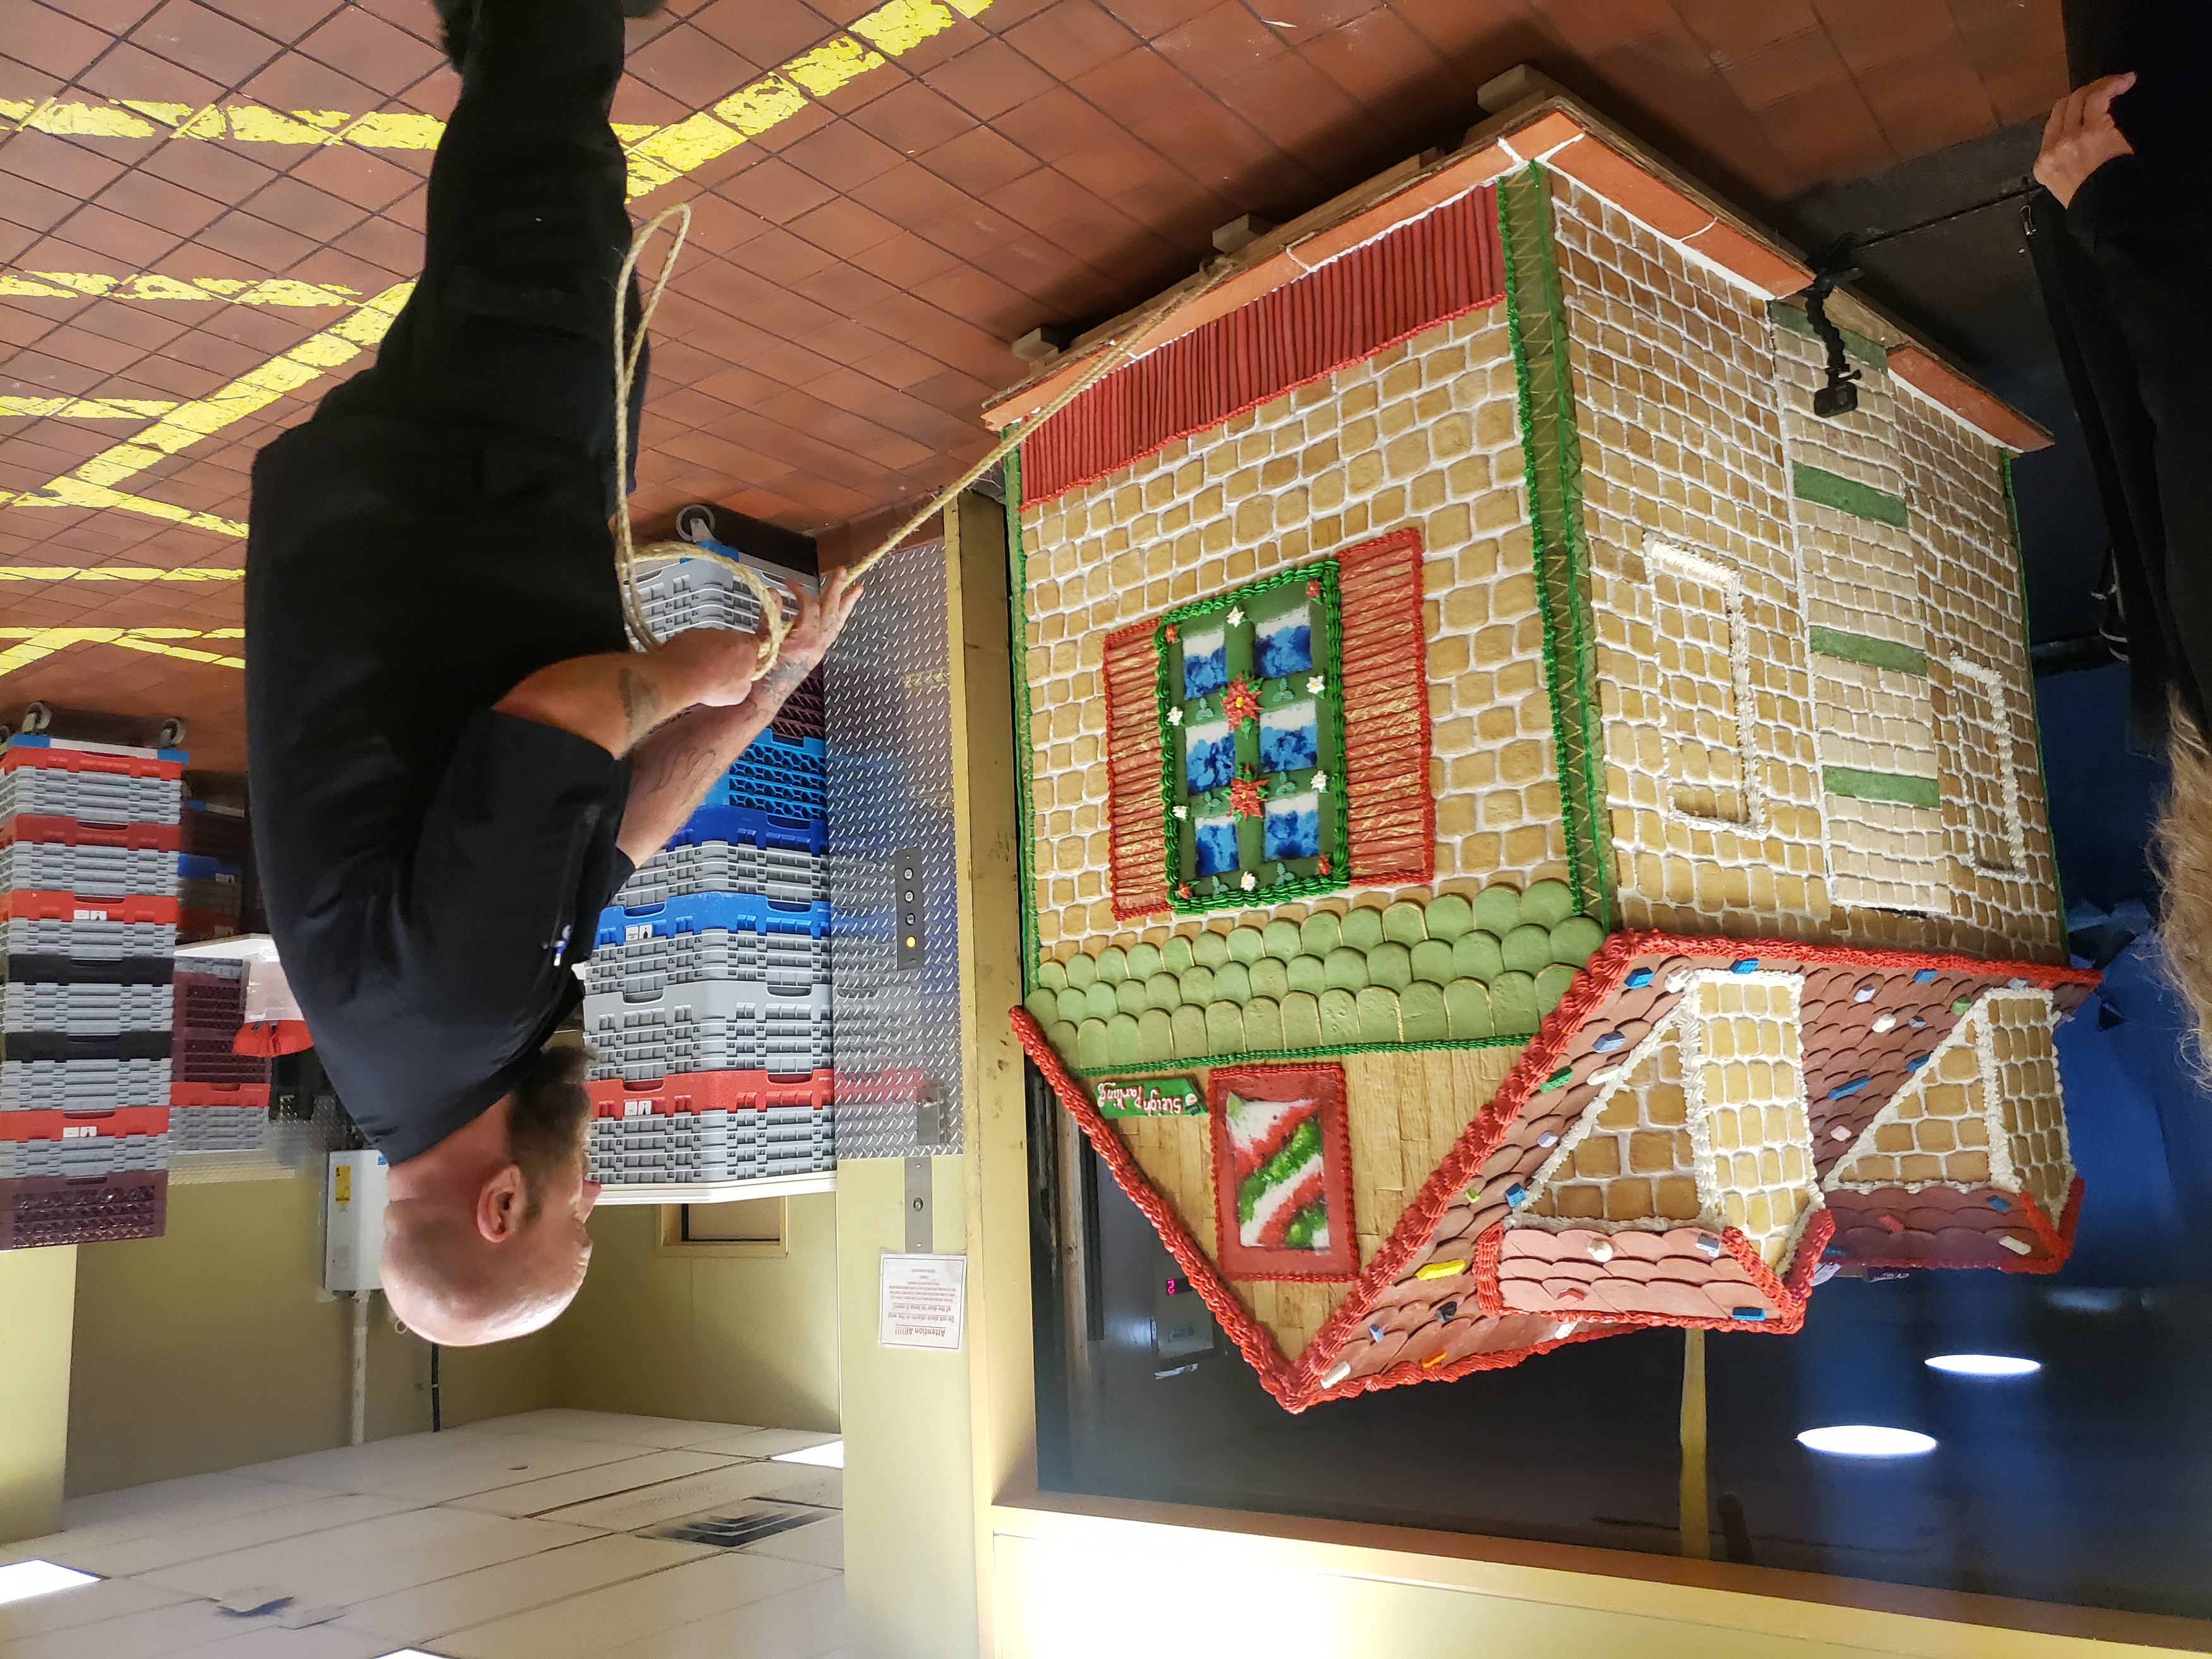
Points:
x=673 y=768
x=616 y=698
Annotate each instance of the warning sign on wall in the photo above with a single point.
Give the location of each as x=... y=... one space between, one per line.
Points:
x=924 y=1297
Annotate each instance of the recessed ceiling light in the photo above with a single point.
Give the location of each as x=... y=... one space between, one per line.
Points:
x=1866 y=1440
x=830 y=1455
x=1984 y=1365
x=22 y=1580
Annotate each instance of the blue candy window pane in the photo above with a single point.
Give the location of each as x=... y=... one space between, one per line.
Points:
x=1293 y=827
x=1215 y=845
x=1282 y=645
x=1209 y=756
x=1204 y=662
x=1290 y=738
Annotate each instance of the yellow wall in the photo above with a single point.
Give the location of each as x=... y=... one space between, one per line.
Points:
x=714 y=1338
x=207 y=1349
x=37 y=1290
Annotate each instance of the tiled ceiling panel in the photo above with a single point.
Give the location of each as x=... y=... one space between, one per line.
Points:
x=199 y=204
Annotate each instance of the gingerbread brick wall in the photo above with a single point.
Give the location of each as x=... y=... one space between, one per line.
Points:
x=1424 y=434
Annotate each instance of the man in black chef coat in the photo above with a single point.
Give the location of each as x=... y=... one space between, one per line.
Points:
x=456 y=759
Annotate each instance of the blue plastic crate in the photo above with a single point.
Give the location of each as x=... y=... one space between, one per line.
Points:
x=758 y=829
x=199 y=866
x=769 y=789
x=697 y=913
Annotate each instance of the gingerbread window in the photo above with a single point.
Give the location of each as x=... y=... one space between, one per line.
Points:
x=1272 y=742
x=1282 y=1172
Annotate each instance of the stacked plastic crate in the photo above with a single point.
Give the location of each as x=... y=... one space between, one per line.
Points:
x=210 y=871
x=218 y=1099
x=88 y=844
x=708 y=1002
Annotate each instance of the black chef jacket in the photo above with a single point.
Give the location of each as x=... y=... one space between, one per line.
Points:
x=433 y=870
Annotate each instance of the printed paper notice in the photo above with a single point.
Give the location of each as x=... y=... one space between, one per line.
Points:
x=924 y=1299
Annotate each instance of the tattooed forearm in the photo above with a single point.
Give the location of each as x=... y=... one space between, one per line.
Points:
x=774 y=689
x=640 y=702
x=683 y=768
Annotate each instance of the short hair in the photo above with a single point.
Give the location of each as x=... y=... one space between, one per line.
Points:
x=2181 y=854
x=546 y=1122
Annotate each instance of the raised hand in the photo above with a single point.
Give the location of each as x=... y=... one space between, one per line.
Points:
x=820 y=620
x=2080 y=136
x=715 y=666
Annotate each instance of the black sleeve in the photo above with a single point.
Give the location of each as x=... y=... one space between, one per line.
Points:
x=516 y=853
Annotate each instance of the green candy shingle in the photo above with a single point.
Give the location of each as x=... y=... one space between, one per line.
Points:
x=1099 y=1001
x=1308 y=974
x=1301 y=1021
x=1497 y=910
x=1247 y=945
x=1345 y=969
x=1210 y=950
x=1232 y=982
x=1378 y=1015
x=1551 y=984
x=1175 y=954
x=1082 y=971
x=1447 y=916
x=1090 y=1047
x=1405 y=923
x=1547 y=903
x=1131 y=996
x=1283 y=940
x=1466 y=1008
x=1263 y=1025
x=1122 y=1042
x=1361 y=927
x=1052 y=976
x=1144 y=961
x=1190 y=1038
x=1155 y=1036
x=1339 y=1017
x=1270 y=978
x=1113 y=964
x=1320 y=933
x=1197 y=981
x=1064 y=1041
x=1431 y=960
x=1513 y=1004
x=1224 y=1028
x=1390 y=964
x=1043 y=1006
x=1575 y=941
x=1163 y=990
x=1074 y=1006
x=1527 y=948
x=1477 y=955
x=1421 y=1012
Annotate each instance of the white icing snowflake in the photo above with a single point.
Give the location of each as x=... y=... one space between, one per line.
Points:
x=1182 y=812
x=1236 y=615
x=1175 y=717
x=1321 y=781
x=1249 y=882
x=1317 y=683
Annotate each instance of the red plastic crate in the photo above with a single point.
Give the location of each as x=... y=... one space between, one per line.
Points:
x=185 y=1092
x=90 y=760
x=36 y=1210
x=207 y=1004
x=713 y=1091
x=195 y=925
x=116 y=1120
x=38 y=905
x=69 y=832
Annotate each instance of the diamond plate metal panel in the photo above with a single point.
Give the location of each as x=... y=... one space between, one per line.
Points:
x=888 y=691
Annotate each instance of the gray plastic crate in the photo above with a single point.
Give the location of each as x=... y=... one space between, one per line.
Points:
x=712 y=1025
x=74 y=1085
x=218 y=1128
x=686 y=1147
x=90 y=797
x=721 y=866
x=684 y=594
x=90 y=941
x=84 y=1010
x=643 y=967
x=89 y=1155
x=89 y=871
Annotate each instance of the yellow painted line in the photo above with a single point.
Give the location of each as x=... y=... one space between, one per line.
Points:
x=147 y=285
x=93 y=484
x=658 y=156
x=118 y=573
x=39 y=643
x=84 y=408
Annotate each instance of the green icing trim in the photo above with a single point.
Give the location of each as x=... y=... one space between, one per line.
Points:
x=1864 y=649
x=1145 y=1069
x=1899 y=786
x=1024 y=763
x=1813 y=484
x=1550 y=449
x=1871 y=353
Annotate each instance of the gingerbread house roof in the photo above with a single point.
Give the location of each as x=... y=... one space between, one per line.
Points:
x=1470 y=1278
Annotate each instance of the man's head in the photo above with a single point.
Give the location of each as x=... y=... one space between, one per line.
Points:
x=484 y=1233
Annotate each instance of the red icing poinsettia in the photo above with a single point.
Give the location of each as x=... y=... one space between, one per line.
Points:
x=1321 y=865
x=1313 y=587
x=1170 y=632
x=1244 y=797
x=1183 y=890
x=1239 y=701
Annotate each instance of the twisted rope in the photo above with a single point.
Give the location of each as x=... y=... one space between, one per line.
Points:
x=773 y=624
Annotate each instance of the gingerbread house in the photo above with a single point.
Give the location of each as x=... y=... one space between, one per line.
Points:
x=1531 y=831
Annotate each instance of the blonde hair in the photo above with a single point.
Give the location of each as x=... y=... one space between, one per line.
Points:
x=2181 y=854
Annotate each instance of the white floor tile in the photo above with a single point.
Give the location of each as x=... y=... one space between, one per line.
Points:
x=371 y=1558
x=267 y=1641
x=825 y=1488
x=605 y=1619
x=246 y=1497
x=427 y=1611
x=435 y=1468
x=321 y=1513
x=203 y=1493
x=800 y=1624
x=761 y=1442
x=601 y=1480
x=154 y=1634
x=692 y=1495
x=818 y=1544
x=111 y=1598
x=657 y=1431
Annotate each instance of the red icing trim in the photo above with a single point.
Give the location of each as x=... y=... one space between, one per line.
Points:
x=1439 y=266
x=1390 y=810
x=1238 y=1260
